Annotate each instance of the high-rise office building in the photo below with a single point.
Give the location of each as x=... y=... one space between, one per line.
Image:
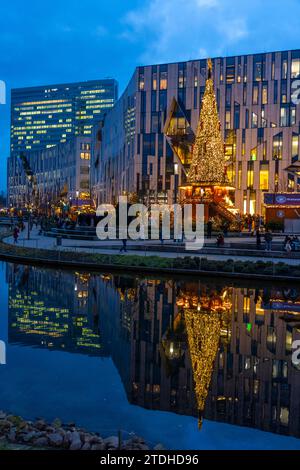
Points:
x=46 y=116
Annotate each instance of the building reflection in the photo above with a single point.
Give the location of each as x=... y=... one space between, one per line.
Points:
x=50 y=309
x=206 y=349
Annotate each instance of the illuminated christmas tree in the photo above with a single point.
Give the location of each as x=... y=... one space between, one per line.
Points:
x=208 y=159
x=203 y=331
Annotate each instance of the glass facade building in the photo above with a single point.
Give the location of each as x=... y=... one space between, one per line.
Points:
x=153 y=126
x=47 y=115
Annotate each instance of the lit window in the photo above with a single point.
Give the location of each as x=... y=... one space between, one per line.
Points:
x=284 y=69
x=154 y=81
x=295 y=146
x=255 y=94
x=264 y=98
x=284 y=117
x=163 y=82
x=284 y=416
x=250 y=175
x=295 y=69
x=264 y=177
x=254 y=120
x=254 y=154
x=141 y=82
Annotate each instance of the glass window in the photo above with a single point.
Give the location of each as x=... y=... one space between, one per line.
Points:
x=245 y=68
x=254 y=123
x=264 y=176
x=253 y=156
x=154 y=81
x=295 y=146
x=275 y=91
x=236 y=115
x=292 y=115
x=250 y=175
x=245 y=93
x=264 y=94
x=85 y=155
x=228 y=95
x=284 y=69
x=195 y=78
x=284 y=91
x=227 y=120
x=247 y=118
x=258 y=68
x=255 y=94
x=181 y=76
x=264 y=122
x=295 y=68
x=273 y=67
x=141 y=81
x=163 y=82
x=230 y=73
x=284 y=416
x=284 y=116
x=239 y=182
x=277 y=146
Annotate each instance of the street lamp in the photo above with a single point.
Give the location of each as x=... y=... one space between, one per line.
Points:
x=77 y=197
x=176 y=177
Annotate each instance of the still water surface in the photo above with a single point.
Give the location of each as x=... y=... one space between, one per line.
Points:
x=156 y=357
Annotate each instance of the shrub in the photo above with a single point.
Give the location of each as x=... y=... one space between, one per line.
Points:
x=275 y=225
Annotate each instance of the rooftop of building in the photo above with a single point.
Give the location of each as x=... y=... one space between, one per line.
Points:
x=220 y=57
x=52 y=87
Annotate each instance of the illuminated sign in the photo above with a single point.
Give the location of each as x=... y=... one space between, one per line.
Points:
x=287 y=199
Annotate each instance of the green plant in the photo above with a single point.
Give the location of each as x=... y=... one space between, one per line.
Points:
x=275 y=225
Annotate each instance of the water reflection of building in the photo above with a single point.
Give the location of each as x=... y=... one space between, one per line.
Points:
x=190 y=348
x=253 y=382
x=50 y=309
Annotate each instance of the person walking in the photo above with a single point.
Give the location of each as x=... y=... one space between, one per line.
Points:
x=124 y=246
x=209 y=228
x=16 y=235
x=268 y=240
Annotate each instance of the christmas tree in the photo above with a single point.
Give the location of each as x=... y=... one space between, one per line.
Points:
x=208 y=159
x=203 y=331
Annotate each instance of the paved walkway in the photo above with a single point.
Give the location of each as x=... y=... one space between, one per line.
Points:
x=105 y=247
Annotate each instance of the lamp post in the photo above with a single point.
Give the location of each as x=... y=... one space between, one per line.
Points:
x=276 y=179
x=176 y=177
x=77 y=201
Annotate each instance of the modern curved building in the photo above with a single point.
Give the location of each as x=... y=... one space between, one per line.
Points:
x=152 y=127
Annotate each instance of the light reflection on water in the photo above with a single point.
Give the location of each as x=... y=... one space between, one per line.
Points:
x=86 y=348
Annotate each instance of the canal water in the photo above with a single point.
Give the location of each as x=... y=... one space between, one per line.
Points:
x=188 y=364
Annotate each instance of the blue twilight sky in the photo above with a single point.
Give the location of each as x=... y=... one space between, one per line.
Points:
x=72 y=40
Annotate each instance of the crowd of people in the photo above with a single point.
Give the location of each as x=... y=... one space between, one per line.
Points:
x=252 y=224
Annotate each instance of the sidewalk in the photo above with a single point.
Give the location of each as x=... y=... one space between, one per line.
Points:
x=136 y=247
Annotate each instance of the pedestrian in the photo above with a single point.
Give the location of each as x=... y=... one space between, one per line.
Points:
x=286 y=241
x=258 y=239
x=225 y=229
x=209 y=228
x=16 y=235
x=124 y=245
x=268 y=240
x=220 y=240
